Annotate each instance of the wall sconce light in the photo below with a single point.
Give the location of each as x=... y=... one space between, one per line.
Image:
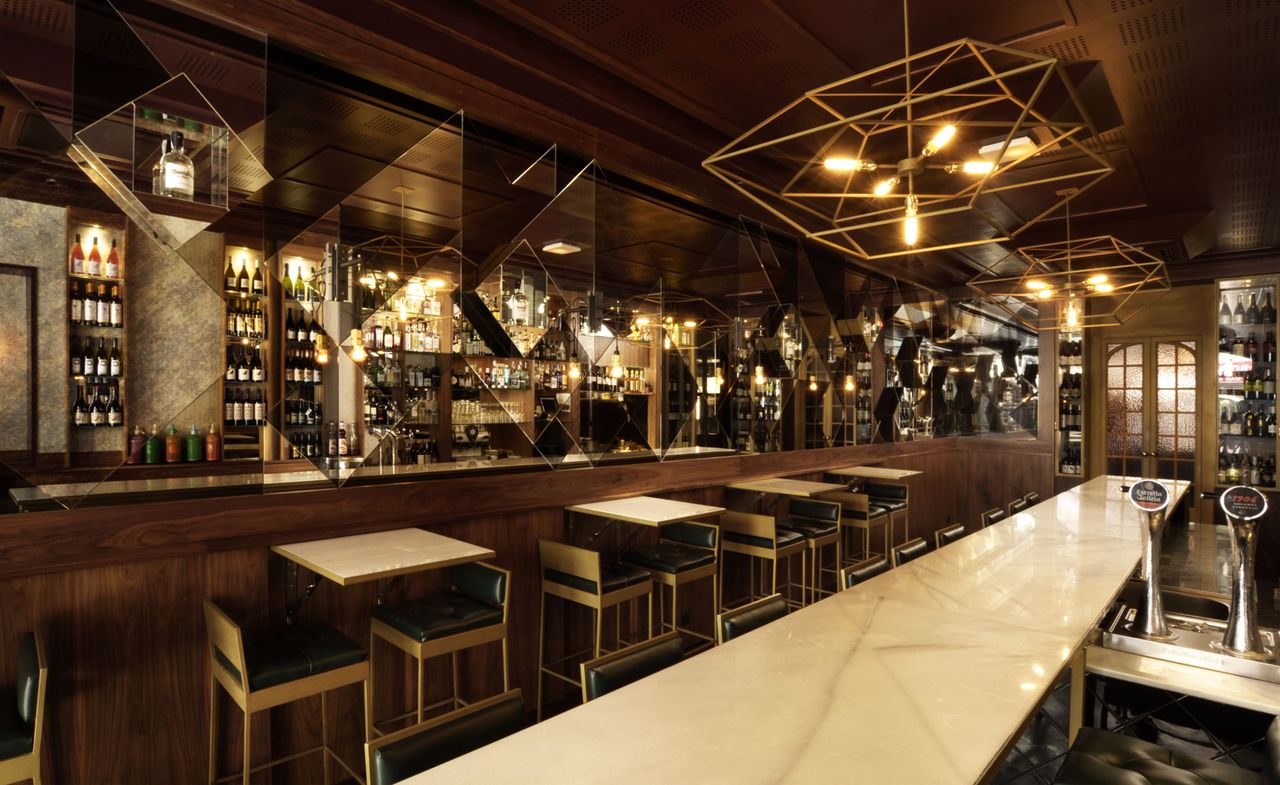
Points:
x=357 y=346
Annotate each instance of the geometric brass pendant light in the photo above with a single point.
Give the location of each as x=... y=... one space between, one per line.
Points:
x=964 y=144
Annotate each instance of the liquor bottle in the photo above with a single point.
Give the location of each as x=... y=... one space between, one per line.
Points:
x=1271 y=423
x=137 y=445
x=228 y=409
x=287 y=284
x=1269 y=348
x=80 y=409
x=259 y=321
x=1223 y=422
x=1237 y=316
x=193 y=446
x=257 y=284
x=1268 y=315
x=212 y=445
x=154 y=448
x=255 y=369
x=229 y=277
x=177 y=173
x=1224 y=313
x=313 y=331
x=290 y=330
x=102 y=362
x=343 y=446
x=115 y=414
x=77 y=304
x=1251 y=349
x=1251 y=315
x=113 y=360
x=260 y=410
x=77 y=257
x=89 y=309
x=113 y=261
x=115 y=308
x=97 y=412
x=1233 y=425
x=242 y=368
x=172 y=446
x=104 y=306
x=237 y=408
x=1269 y=386
x=89 y=362
x=242 y=282
x=333 y=440
x=93 y=266
x=1246 y=425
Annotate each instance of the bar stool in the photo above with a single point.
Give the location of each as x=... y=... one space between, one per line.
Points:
x=686 y=552
x=472 y=613
x=1100 y=757
x=579 y=576
x=752 y=616
x=22 y=723
x=617 y=669
x=993 y=515
x=909 y=551
x=278 y=668
x=760 y=537
x=413 y=750
x=818 y=522
x=1017 y=506
x=948 y=535
x=857 y=512
x=892 y=496
x=1032 y=498
x=852 y=576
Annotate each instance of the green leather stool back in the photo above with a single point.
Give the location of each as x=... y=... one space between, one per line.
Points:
x=828 y=512
x=1018 y=505
x=436 y=741
x=690 y=534
x=909 y=551
x=885 y=490
x=865 y=571
x=480 y=583
x=28 y=672
x=613 y=671
x=993 y=516
x=1101 y=757
x=950 y=534
x=750 y=617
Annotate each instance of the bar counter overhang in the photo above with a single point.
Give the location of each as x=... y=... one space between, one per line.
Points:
x=923 y=675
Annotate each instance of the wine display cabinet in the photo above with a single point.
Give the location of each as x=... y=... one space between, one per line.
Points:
x=1069 y=426
x=246 y=394
x=1247 y=382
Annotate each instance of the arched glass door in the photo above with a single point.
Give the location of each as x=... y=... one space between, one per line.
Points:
x=1151 y=404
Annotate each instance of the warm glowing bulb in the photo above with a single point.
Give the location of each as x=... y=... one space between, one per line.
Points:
x=575 y=371
x=1073 y=315
x=404 y=313
x=1045 y=294
x=885 y=186
x=616 y=371
x=978 y=167
x=1094 y=280
x=369 y=281
x=1105 y=287
x=843 y=163
x=322 y=354
x=1036 y=286
x=391 y=276
x=690 y=323
x=642 y=321
x=759 y=374
x=848 y=383
x=666 y=342
x=436 y=283
x=813 y=384
x=911 y=225
x=939 y=139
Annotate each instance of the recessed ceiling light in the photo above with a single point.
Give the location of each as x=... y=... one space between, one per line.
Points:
x=1019 y=147
x=561 y=247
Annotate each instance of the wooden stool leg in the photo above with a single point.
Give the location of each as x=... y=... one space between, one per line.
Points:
x=324 y=736
x=213 y=726
x=506 y=667
x=542 y=634
x=597 y=614
x=420 y=686
x=367 y=687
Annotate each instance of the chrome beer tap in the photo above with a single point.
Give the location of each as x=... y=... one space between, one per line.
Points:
x=1151 y=497
x=1244 y=507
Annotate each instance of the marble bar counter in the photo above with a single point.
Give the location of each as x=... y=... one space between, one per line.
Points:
x=922 y=676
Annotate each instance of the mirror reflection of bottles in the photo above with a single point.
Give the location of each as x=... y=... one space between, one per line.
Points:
x=175 y=175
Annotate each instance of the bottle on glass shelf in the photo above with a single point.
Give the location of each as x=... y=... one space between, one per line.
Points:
x=112 y=269
x=97 y=412
x=1224 y=313
x=101 y=360
x=94 y=264
x=229 y=409
x=260 y=410
x=256 y=283
x=77 y=257
x=115 y=413
x=113 y=360
x=193 y=446
x=242 y=281
x=1268 y=313
x=1237 y=316
x=173 y=446
x=229 y=277
x=77 y=304
x=77 y=357
x=1251 y=315
x=153 y=451
x=89 y=308
x=80 y=409
x=137 y=445
x=115 y=308
x=343 y=445
x=104 y=306
x=177 y=172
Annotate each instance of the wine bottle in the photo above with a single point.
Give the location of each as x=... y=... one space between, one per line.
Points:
x=243 y=373
x=333 y=440
x=115 y=308
x=260 y=409
x=287 y=283
x=77 y=257
x=77 y=304
x=1251 y=315
x=1268 y=315
x=93 y=266
x=80 y=409
x=237 y=408
x=1237 y=316
x=242 y=282
x=89 y=310
x=113 y=360
x=104 y=306
x=229 y=276
x=97 y=412
x=256 y=283
x=259 y=321
x=343 y=445
x=115 y=414
x=102 y=359
x=255 y=369
x=228 y=408
x=113 y=261
x=1224 y=313
x=290 y=331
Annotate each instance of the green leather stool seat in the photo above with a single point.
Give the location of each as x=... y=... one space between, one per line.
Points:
x=632 y=664
x=438 y=616
x=887 y=491
x=785 y=537
x=442 y=743
x=752 y=617
x=874 y=511
x=16 y=735
x=1100 y=757
x=293 y=653
x=812 y=529
x=615 y=576
x=889 y=505
x=670 y=557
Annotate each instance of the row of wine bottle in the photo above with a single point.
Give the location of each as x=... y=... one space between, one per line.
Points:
x=1246 y=422
x=300 y=327
x=243 y=408
x=1253 y=314
x=94 y=265
x=245 y=319
x=244 y=284
x=88 y=360
x=96 y=307
x=100 y=408
x=244 y=366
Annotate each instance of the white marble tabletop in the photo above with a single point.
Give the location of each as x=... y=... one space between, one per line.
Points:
x=785 y=487
x=367 y=557
x=875 y=472
x=920 y=676
x=647 y=510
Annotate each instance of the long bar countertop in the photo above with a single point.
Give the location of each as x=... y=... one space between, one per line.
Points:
x=922 y=676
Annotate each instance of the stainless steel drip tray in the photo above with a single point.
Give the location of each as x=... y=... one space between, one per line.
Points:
x=1193 y=645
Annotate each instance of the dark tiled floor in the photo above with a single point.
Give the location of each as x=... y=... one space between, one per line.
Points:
x=1036 y=757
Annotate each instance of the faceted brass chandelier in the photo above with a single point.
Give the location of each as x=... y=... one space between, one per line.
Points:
x=964 y=144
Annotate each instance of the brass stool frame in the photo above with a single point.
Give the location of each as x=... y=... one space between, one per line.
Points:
x=764 y=527
x=26 y=766
x=677 y=579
